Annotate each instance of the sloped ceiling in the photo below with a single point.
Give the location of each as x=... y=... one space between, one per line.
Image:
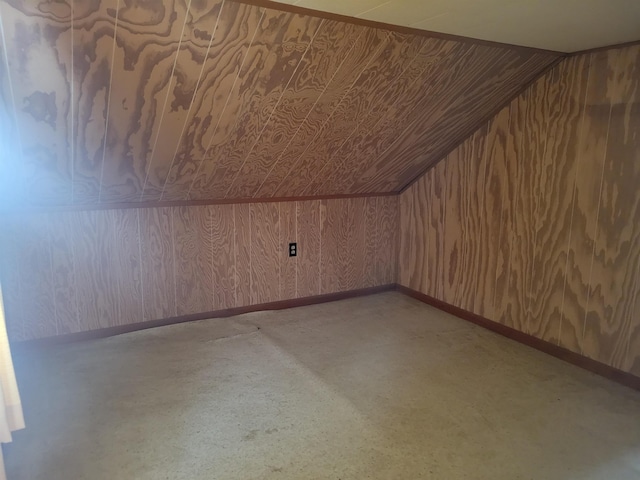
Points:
x=111 y=101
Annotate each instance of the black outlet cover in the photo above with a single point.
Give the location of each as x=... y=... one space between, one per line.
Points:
x=293 y=249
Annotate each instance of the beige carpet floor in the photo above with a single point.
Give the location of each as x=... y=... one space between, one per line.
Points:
x=378 y=387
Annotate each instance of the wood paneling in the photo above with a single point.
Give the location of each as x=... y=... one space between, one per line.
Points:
x=343 y=254
x=288 y=234
x=223 y=255
x=242 y=252
x=120 y=102
x=265 y=252
x=70 y=272
x=611 y=314
x=157 y=250
x=540 y=225
x=309 y=247
x=193 y=259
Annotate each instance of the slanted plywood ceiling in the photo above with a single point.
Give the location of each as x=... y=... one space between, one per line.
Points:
x=121 y=101
x=559 y=25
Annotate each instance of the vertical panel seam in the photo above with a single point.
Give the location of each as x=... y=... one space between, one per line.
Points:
x=172 y=212
x=596 y=230
x=166 y=100
x=573 y=199
x=193 y=97
x=52 y=276
x=141 y=267
x=215 y=130
x=106 y=126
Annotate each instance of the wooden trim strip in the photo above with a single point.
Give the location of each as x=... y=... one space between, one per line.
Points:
x=286 y=7
x=185 y=203
x=485 y=119
x=618 y=376
x=608 y=47
x=229 y=312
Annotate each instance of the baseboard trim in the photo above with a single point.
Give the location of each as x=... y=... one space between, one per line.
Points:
x=618 y=376
x=229 y=312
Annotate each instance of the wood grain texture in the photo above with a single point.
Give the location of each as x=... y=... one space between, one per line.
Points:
x=309 y=248
x=294 y=167
x=71 y=272
x=462 y=226
x=288 y=234
x=223 y=251
x=343 y=244
x=387 y=224
x=274 y=58
x=491 y=243
x=157 y=251
x=64 y=274
x=96 y=285
x=545 y=240
x=139 y=102
x=39 y=70
x=266 y=254
x=371 y=241
x=242 y=252
x=616 y=257
x=193 y=260
x=10 y=278
x=553 y=181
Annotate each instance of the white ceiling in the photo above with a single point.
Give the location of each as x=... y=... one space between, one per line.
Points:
x=560 y=25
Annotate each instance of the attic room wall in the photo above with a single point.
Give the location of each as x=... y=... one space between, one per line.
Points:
x=75 y=271
x=534 y=221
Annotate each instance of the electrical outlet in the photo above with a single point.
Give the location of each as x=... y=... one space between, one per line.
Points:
x=293 y=249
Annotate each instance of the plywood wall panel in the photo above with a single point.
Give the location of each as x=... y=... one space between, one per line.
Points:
x=407 y=99
x=462 y=220
x=591 y=150
x=493 y=199
x=96 y=286
x=309 y=248
x=63 y=265
x=350 y=255
x=293 y=161
x=36 y=278
x=38 y=60
x=10 y=278
x=213 y=110
x=242 y=251
x=288 y=265
x=616 y=261
x=73 y=271
x=122 y=102
x=558 y=213
x=386 y=240
x=260 y=94
x=410 y=245
x=223 y=255
x=265 y=252
x=329 y=226
x=435 y=128
x=157 y=250
x=335 y=176
x=177 y=97
x=357 y=111
x=92 y=45
x=370 y=242
x=127 y=265
x=329 y=48
x=193 y=260
x=11 y=186
x=136 y=97
x=553 y=187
